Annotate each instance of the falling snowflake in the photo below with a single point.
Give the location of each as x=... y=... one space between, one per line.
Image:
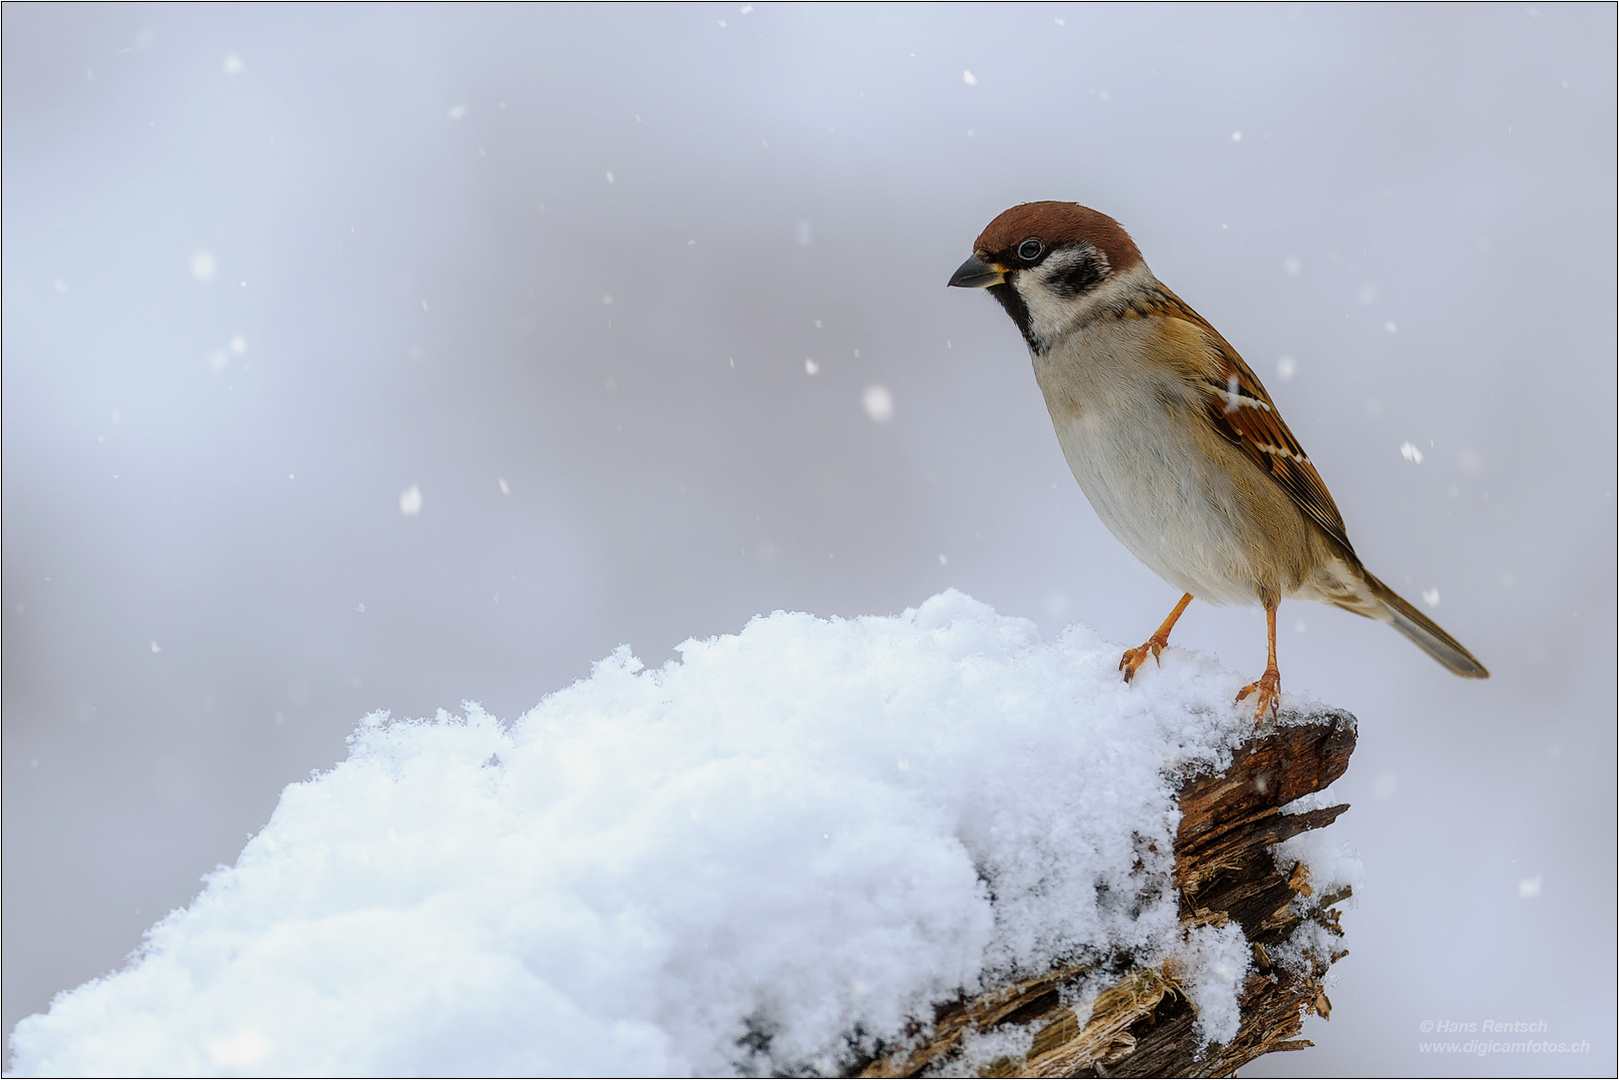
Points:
x=879 y=403
x=203 y=265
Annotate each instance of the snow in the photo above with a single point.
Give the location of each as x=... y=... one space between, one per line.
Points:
x=203 y=265
x=1329 y=864
x=878 y=402
x=982 y=1049
x=1213 y=965
x=785 y=843
x=1329 y=867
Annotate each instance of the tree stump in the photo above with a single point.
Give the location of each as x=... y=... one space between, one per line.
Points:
x=1142 y=1024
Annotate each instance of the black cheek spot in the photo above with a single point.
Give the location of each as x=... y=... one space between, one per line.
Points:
x=1085 y=274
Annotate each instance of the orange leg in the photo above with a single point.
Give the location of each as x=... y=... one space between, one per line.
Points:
x=1132 y=659
x=1269 y=686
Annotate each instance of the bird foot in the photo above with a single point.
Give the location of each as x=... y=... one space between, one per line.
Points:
x=1132 y=659
x=1269 y=692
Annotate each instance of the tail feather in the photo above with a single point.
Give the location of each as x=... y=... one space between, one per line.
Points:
x=1425 y=633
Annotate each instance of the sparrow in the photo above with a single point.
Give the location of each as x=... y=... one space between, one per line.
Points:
x=1173 y=438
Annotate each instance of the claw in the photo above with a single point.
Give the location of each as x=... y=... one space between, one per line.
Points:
x=1269 y=691
x=1132 y=659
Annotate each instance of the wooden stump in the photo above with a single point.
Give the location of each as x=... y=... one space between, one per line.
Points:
x=1142 y=1024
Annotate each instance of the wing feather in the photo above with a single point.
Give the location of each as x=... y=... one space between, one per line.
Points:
x=1242 y=412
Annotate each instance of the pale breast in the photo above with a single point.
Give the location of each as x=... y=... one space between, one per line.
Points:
x=1168 y=495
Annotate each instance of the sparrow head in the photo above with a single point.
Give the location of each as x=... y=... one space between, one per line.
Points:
x=1048 y=263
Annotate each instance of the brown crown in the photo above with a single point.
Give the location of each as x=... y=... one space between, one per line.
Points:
x=1056 y=223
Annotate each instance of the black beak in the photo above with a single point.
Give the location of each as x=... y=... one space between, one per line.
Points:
x=975 y=273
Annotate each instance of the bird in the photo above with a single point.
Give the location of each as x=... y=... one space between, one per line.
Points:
x=1172 y=437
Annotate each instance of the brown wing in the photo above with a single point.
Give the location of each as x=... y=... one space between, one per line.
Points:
x=1243 y=412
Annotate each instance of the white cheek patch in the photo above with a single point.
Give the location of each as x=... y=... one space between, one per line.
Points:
x=1050 y=313
x=1050 y=310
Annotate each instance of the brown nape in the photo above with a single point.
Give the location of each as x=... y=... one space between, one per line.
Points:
x=1055 y=223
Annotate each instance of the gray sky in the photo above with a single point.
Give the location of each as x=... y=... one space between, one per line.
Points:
x=268 y=268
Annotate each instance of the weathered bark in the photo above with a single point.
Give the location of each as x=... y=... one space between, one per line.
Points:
x=1142 y=1024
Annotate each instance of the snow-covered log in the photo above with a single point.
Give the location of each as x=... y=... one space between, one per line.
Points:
x=817 y=846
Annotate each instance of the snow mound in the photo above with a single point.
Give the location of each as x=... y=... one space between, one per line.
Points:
x=760 y=857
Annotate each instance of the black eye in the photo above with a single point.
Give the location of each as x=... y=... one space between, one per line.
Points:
x=1030 y=250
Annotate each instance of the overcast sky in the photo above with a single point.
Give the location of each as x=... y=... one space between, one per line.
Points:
x=602 y=294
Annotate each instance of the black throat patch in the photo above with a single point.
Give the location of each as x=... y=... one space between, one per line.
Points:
x=1015 y=307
